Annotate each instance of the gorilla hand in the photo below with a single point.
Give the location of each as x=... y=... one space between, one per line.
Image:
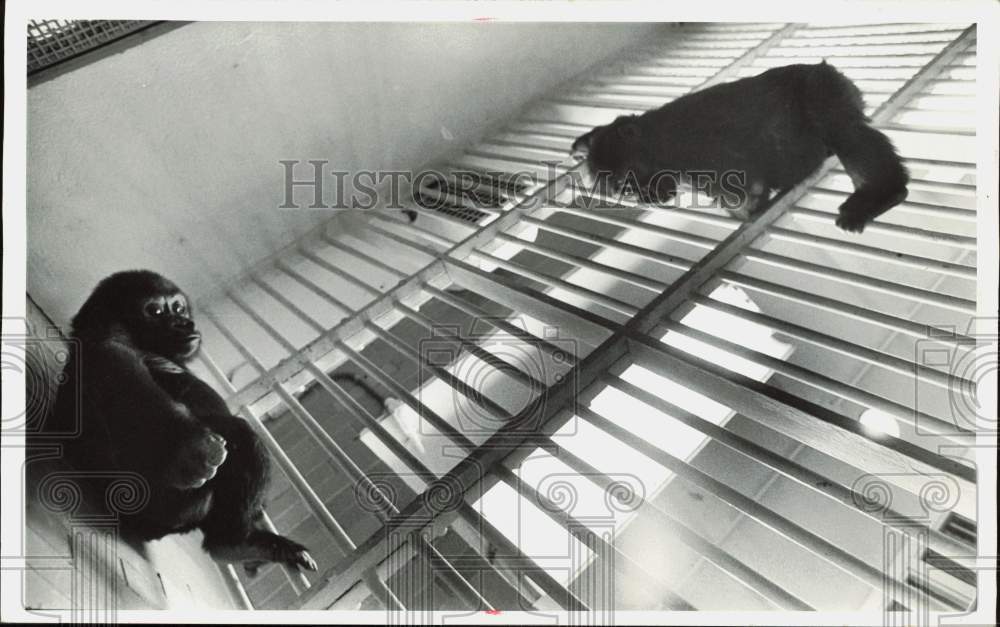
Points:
x=198 y=460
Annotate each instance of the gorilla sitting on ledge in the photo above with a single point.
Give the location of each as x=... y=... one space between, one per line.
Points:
x=140 y=410
x=752 y=136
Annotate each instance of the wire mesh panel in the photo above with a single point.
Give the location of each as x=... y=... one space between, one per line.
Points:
x=54 y=41
x=525 y=402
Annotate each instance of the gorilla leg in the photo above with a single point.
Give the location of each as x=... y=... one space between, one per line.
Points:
x=232 y=525
x=169 y=511
x=878 y=176
x=835 y=108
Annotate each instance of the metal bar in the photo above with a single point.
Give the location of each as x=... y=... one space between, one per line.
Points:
x=361 y=414
x=581 y=532
x=368 y=258
x=725 y=561
x=475 y=350
x=855 y=351
x=278 y=296
x=264 y=324
x=806 y=35
x=901 y=38
x=785 y=527
x=894 y=230
x=239 y=346
x=649 y=255
x=471 y=516
x=581 y=262
x=719 y=257
x=836 y=435
x=441 y=566
x=659 y=90
x=750 y=56
x=854 y=279
x=520 y=563
x=499 y=323
x=900 y=325
x=466 y=390
x=333 y=269
x=919 y=80
x=924 y=264
x=439 y=423
x=620 y=106
x=349 y=466
x=582 y=292
x=430 y=252
x=827 y=486
x=344 y=329
x=430 y=236
x=236 y=589
x=916 y=204
x=609 y=217
x=587 y=326
x=928 y=129
x=856 y=52
x=459 y=588
x=468 y=472
x=314 y=288
x=549 y=150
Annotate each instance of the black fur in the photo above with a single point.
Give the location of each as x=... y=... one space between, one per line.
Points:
x=774 y=129
x=140 y=410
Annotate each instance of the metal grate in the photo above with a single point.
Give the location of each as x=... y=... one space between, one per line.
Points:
x=53 y=41
x=791 y=337
x=469 y=195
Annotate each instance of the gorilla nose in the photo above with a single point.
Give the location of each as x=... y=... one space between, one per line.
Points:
x=183 y=324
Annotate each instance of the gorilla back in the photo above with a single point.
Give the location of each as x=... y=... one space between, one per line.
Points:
x=140 y=410
x=752 y=136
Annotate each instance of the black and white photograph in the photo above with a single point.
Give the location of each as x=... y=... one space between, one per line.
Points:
x=555 y=313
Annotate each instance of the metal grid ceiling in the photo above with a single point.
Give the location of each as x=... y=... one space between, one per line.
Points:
x=840 y=319
x=53 y=41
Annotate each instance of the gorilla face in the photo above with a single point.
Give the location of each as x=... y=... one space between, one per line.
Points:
x=150 y=309
x=615 y=157
x=166 y=327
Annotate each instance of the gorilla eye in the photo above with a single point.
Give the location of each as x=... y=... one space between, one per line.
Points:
x=154 y=309
x=180 y=308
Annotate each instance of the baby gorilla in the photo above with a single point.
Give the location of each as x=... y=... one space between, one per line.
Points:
x=140 y=410
x=749 y=137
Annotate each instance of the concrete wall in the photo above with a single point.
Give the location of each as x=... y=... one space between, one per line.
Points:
x=166 y=155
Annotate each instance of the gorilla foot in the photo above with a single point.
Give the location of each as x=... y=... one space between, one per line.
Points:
x=859 y=209
x=262 y=547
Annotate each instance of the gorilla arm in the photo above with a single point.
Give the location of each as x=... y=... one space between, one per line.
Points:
x=153 y=434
